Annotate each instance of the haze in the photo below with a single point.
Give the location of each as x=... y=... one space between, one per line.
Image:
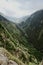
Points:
x=20 y=8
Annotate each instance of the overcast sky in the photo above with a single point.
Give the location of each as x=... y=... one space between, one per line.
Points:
x=19 y=8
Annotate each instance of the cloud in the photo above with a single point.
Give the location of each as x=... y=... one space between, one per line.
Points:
x=19 y=8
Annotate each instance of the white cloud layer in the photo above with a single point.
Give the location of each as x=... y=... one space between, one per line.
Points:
x=19 y=8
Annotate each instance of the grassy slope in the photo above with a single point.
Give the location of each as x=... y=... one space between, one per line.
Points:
x=12 y=39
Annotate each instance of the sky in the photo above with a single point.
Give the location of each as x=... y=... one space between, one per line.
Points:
x=20 y=8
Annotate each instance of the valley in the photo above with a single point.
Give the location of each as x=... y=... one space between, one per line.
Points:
x=23 y=43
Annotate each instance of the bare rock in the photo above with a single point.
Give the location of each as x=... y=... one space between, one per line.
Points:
x=12 y=63
x=41 y=63
x=3 y=60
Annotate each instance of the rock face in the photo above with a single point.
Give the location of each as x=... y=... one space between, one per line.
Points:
x=12 y=63
x=4 y=59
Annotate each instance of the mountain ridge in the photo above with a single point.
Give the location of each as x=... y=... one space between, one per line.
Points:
x=32 y=26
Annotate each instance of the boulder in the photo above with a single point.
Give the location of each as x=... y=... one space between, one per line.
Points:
x=3 y=60
x=12 y=63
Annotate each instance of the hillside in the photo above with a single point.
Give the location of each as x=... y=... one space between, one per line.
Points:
x=5 y=57
x=16 y=43
x=33 y=26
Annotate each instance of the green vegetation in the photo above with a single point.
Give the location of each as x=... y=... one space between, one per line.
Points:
x=33 y=26
x=16 y=44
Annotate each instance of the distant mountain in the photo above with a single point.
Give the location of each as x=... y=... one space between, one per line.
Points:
x=22 y=19
x=14 y=19
x=10 y=18
x=33 y=26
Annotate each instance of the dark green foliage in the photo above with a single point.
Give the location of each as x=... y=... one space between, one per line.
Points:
x=33 y=26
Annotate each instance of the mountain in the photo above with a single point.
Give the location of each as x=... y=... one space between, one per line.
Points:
x=14 y=40
x=33 y=26
x=22 y=19
x=14 y=19
x=10 y=18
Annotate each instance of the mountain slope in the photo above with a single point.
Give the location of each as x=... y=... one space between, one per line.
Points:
x=33 y=26
x=14 y=40
x=7 y=41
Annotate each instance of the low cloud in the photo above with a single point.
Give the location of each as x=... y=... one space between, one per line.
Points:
x=19 y=8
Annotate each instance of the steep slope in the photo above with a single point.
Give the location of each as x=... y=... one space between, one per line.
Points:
x=14 y=40
x=12 y=44
x=33 y=26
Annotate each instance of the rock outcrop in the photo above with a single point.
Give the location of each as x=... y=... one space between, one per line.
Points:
x=4 y=59
x=12 y=63
x=41 y=63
